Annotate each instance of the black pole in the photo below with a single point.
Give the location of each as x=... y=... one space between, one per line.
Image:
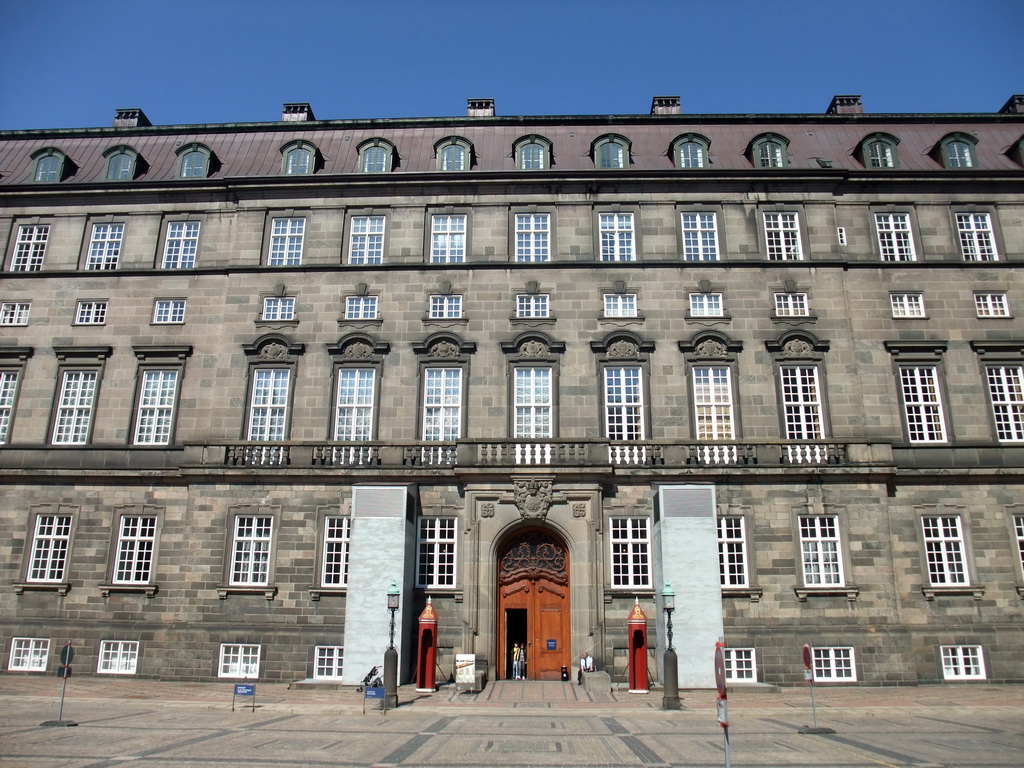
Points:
x=670 y=699
x=391 y=668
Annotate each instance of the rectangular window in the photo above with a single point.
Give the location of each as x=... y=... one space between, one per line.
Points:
x=169 y=311
x=624 y=403
x=105 y=246
x=250 y=549
x=14 y=312
x=791 y=305
x=962 y=662
x=181 y=245
x=136 y=545
x=157 y=396
x=631 y=552
x=50 y=544
x=118 y=657
x=366 y=243
x=700 y=237
x=533 y=394
x=28 y=654
x=1018 y=528
x=944 y=548
x=268 y=410
x=239 y=661
x=922 y=404
x=976 y=240
x=894 y=239
x=442 y=404
x=435 y=565
x=278 y=308
x=801 y=399
x=991 y=305
x=286 y=237
x=620 y=305
x=75 y=401
x=361 y=307
x=353 y=417
x=30 y=248
x=337 y=534
x=448 y=239
x=328 y=662
x=8 y=389
x=712 y=403
x=532 y=305
x=819 y=548
x=907 y=304
x=834 y=665
x=1006 y=389
x=447 y=306
x=841 y=235
x=740 y=666
x=533 y=235
x=732 y=552
x=617 y=237
x=706 y=305
x=91 y=313
x=782 y=236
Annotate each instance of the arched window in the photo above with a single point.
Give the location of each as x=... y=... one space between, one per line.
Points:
x=690 y=151
x=957 y=151
x=193 y=161
x=879 y=151
x=376 y=156
x=769 y=150
x=121 y=163
x=298 y=158
x=50 y=165
x=532 y=153
x=611 y=152
x=453 y=154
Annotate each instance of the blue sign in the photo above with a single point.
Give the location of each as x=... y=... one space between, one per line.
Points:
x=244 y=689
x=552 y=645
x=374 y=692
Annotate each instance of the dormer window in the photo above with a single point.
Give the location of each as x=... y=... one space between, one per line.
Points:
x=957 y=151
x=879 y=151
x=453 y=154
x=690 y=151
x=121 y=163
x=376 y=156
x=193 y=161
x=298 y=159
x=50 y=165
x=770 y=150
x=611 y=152
x=533 y=153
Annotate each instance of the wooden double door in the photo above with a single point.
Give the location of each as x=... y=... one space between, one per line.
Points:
x=533 y=604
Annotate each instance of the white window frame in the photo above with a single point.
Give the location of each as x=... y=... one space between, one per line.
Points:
x=287 y=236
x=618 y=236
x=442 y=404
x=278 y=308
x=1018 y=529
x=700 y=236
x=624 y=405
x=136 y=549
x=76 y=401
x=922 y=404
x=834 y=665
x=366 y=240
x=30 y=249
x=962 y=662
x=436 y=545
x=448 y=238
x=447 y=306
x=907 y=304
x=820 y=551
x=740 y=665
x=707 y=305
x=453 y=157
x=328 y=662
x=361 y=307
x=252 y=543
x=895 y=237
x=14 y=312
x=801 y=400
x=533 y=305
x=791 y=304
x=1006 y=393
x=181 y=244
x=354 y=404
x=533 y=237
x=169 y=311
x=335 y=559
x=977 y=240
x=8 y=390
x=620 y=305
x=713 y=413
x=105 y=246
x=268 y=404
x=239 y=660
x=630 y=541
x=158 y=395
x=782 y=236
x=534 y=402
x=51 y=548
x=733 y=569
x=944 y=548
x=991 y=304
x=91 y=312
x=29 y=654
x=118 y=657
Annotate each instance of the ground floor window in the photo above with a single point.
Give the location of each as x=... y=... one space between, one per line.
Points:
x=740 y=666
x=238 y=660
x=328 y=662
x=834 y=664
x=28 y=654
x=962 y=662
x=118 y=658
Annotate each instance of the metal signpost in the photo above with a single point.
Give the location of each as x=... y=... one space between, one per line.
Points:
x=723 y=698
x=67 y=655
x=244 y=689
x=375 y=692
x=809 y=677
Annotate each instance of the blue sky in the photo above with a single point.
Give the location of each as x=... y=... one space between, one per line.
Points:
x=71 y=63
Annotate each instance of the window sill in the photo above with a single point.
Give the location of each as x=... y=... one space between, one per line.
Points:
x=269 y=591
x=60 y=587
x=976 y=591
x=315 y=593
x=442 y=592
x=147 y=589
x=850 y=592
x=754 y=593
x=532 y=322
x=276 y=324
x=794 y=319
x=628 y=592
x=443 y=321
x=359 y=322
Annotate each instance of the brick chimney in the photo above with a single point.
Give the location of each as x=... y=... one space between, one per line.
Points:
x=131 y=117
x=296 y=112
x=480 y=107
x=1014 y=105
x=845 y=105
x=665 y=105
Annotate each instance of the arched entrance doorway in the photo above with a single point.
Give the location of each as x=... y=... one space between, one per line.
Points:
x=533 y=603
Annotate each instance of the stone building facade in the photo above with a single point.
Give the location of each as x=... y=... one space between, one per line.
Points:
x=529 y=368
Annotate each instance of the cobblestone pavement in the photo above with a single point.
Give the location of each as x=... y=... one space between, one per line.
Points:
x=510 y=724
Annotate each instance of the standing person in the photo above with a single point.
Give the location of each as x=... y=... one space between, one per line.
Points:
x=583 y=668
x=517 y=662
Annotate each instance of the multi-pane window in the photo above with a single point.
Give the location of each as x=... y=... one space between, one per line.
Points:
x=1006 y=390
x=30 y=248
x=49 y=167
x=631 y=552
x=617 y=237
x=1018 y=527
x=620 y=305
x=193 y=164
x=375 y=159
x=801 y=400
x=712 y=403
x=819 y=549
x=337 y=535
x=706 y=305
x=533 y=402
x=118 y=657
x=533 y=305
x=105 y=246
x=238 y=660
x=28 y=654
x=75 y=401
x=895 y=242
x=740 y=665
x=624 y=403
x=691 y=154
x=834 y=664
x=976 y=239
x=120 y=166
x=991 y=305
x=907 y=304
x=533 y=155
x=361 y=307
x=445 y=307
x=268 y=408
x=533 y=237
x=136 y=544
x=732 y=552
x=8 y=389
x=91 y=313
x=169 y=311
x=181 y=245
x=922 y=404
x=770 y=153
x=442 y=404
x=880 y=154
x=154 y=421
x=328 y=664
x=611 y=154
x=782 y=236
x=700 y=237
x=435 y=565
x=791 y=304
x=278 y=308
x=353 y=416
x=944 y=550
x=51 y=541
x=250 y=549
x=448 y=239
x=366 y=241
x=14 y=312
x=962 y=662
x=286 y=236
x=958 y=154
x=453 y=158
x=298 y=160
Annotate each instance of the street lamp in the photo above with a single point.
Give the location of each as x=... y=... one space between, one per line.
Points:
x=670 y=699
x=391 y=654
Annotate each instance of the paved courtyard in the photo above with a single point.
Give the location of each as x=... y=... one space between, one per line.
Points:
x=511 y=724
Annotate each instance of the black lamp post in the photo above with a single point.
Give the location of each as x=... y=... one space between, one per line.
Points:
x=391 y=654
x=670 y=699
